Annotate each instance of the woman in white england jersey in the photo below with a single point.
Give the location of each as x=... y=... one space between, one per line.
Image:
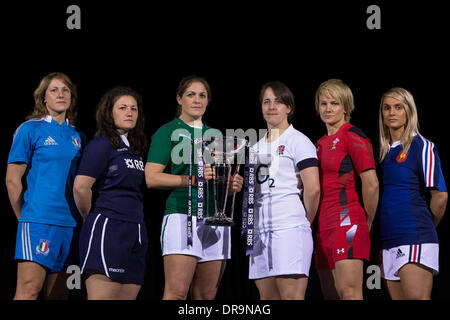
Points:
x=287 y=197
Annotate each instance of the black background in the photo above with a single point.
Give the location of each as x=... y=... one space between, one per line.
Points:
x=237 y=46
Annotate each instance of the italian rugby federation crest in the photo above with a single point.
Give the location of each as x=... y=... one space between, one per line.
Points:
x=76 y=142
x=43 y=248
x=280 y=150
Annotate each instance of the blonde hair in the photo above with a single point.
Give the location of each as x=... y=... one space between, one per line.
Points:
x=412 y=123
x=336 y=89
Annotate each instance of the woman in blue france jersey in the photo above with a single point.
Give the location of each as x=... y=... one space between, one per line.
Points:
x=409 y=168
x=45 y=150
x=113 y=239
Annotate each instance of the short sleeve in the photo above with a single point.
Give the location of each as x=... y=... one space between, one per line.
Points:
x=160 y=147
x=82 y=137
x=95 y=158
x=431 y=167
x=22 y=146
x=360 y=150
x=305 y=154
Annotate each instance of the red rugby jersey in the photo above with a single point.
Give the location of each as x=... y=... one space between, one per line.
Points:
x=342 y=157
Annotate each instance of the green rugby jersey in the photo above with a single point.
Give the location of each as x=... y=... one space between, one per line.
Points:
x=170 y=146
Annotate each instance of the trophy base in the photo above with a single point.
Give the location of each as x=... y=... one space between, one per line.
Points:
x=219 y=221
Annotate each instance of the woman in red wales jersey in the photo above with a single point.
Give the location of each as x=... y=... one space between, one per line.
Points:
x=345 y=155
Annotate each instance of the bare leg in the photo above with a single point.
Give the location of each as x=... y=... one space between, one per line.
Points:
x=30 y=279
x=292 y=287
x=349 y=279
x=129 y=291
x=100 y=287
x=178 y=273
x=268 y=289
x=395 y=290
x=327 y=284
x=55 y=287
x=207 y=279
x=416 y=281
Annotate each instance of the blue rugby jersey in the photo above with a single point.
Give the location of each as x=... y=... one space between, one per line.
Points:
x=404 y=214
x=119 y=178
x=51 y=152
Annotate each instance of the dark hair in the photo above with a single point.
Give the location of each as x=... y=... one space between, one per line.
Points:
x=40 y=109
x=282 y=92
x=185 y=83
x=105 y=120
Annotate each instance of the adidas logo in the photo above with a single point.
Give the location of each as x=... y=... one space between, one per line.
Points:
x=399 y=254
x=50 y=142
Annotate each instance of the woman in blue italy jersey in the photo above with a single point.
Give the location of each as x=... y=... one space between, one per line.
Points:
x=113 y=239
x=409 y=168
x=45 y=150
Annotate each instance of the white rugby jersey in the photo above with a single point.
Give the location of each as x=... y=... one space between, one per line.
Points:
x=278 y=184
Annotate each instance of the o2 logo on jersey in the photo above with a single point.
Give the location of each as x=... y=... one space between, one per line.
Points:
x=402 y=157
x=134 y=164
x=262 y=175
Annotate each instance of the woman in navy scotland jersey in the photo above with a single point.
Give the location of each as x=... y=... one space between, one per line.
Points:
x=113 y=240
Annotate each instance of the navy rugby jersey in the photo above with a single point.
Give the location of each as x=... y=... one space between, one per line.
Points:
x=404 y=214
x=119 y=178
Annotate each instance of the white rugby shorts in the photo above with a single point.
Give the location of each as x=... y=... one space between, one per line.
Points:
x=281 y=252
x=393 y=259
x=208 y=242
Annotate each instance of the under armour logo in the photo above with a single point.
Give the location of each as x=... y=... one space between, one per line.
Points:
x=339 y=251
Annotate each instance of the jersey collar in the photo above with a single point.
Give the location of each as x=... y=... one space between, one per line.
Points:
x=125 y=140
x=284 y=134
x=48 y=118
x=179 y=121
x=397 y=143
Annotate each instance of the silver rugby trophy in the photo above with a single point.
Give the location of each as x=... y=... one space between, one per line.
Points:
x=225 y=154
